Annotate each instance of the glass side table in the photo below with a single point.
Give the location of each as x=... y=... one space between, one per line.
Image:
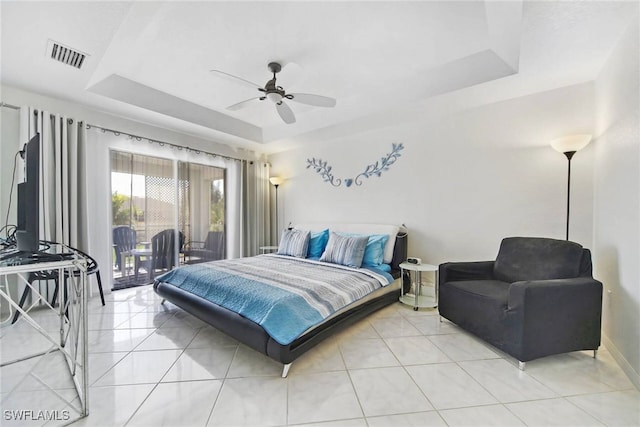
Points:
x=415 y=276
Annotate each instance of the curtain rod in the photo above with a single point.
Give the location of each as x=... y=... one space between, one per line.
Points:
x=163 y=143
x=140 y=138
x=13 y=107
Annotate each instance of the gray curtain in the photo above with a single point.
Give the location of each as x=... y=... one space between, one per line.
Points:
x=63 y=178
x=256 y=207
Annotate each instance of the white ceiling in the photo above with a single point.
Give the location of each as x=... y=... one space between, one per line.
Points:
x=151 y=61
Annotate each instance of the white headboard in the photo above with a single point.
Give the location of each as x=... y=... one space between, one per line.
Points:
x=359 y=228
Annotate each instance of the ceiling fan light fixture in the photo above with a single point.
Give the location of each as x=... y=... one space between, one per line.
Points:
x=274 y=97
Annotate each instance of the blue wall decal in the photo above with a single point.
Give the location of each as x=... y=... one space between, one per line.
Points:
x=375 y=169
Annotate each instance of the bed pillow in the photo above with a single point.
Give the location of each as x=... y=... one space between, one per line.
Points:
x=345 y=250
x=294 y=243
x=317 y=243
x=374 y=251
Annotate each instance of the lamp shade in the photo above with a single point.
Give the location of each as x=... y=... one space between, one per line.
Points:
x=570 y=143
x=276 y=180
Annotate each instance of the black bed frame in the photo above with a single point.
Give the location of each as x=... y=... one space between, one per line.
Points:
x=254 y=336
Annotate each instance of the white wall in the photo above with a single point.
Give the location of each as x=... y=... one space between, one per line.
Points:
x=464 y=181
x=617 y=200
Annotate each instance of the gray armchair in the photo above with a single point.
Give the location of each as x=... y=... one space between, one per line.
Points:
x=536 y=299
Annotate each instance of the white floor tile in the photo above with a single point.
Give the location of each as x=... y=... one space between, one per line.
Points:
x=116 y=340
x=388 y=391
x=491 y=415
x=251 y=402
x=462 y=346
x=165 y=339
x=579 y=373
x=355 y=422
x=321 y=397
x=166 y=406
x=114 y=405
x=210 y=337
x=552 y=412
x=145 y=319
x=24 y=408
x=201 y=364
x=369 y=368
x=140 y=367
x=360 y=330
x=416 y=351
x=431 y=325
x=396 y=326
x=367 y=353
x=250 y=363
x=100 y=363
x=420 y=419
x=106 y=320
x=182 y=319
x=620 y=408
x=325 y=357
x=506 y=382
x=446 y=385
x=13 y=375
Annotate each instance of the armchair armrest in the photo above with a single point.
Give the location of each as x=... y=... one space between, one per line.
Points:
x=455 y=271
x=556 y=293
x=554 y=316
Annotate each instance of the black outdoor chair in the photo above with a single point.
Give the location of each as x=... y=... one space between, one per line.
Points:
x=210 y=250
x=92 y=268
x=163 y=252
x=124 y=240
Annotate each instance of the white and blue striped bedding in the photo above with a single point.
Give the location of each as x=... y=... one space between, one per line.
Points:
x=283 y=294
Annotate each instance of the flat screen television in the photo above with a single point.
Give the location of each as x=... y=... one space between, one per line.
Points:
x=28 y=224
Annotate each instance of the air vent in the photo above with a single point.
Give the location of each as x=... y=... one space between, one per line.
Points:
x=65 y=54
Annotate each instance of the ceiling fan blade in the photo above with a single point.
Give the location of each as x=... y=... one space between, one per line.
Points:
x=236 y=79
x=286 y=113
x=241 y=104
x=315 y=100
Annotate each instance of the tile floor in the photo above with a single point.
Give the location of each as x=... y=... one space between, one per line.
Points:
x=153 y=365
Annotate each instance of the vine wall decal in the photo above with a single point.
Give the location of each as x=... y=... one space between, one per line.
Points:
x=323 y=169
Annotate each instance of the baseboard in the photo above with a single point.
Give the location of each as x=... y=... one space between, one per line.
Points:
x=631 y=373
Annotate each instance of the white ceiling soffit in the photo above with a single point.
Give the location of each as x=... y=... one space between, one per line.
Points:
x=371 y=56
x=134 y=93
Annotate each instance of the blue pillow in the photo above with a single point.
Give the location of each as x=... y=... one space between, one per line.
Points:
x=382 y=267
x=345 y=250
x=294 y=243
x=374 y=252
x=317 y=243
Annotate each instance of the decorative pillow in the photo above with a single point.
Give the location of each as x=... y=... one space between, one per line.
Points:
x=374 y=252
x=345 y=250
x=317 y=243
x=294 y=243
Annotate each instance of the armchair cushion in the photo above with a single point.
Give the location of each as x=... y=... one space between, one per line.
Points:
x=537 y=258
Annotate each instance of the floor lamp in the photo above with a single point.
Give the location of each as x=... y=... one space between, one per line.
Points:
x=276 y=181
x=569 y=145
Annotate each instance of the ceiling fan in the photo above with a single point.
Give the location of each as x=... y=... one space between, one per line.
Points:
x=277 y=95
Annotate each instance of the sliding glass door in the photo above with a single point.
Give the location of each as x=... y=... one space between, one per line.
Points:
x=164 y=213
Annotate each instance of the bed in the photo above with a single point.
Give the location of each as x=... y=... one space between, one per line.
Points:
x=284 y=305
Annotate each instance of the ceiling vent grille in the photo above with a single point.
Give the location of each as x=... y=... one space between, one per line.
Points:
x=66 y=55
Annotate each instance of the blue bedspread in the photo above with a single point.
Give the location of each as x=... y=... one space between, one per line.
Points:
x=285 y=295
